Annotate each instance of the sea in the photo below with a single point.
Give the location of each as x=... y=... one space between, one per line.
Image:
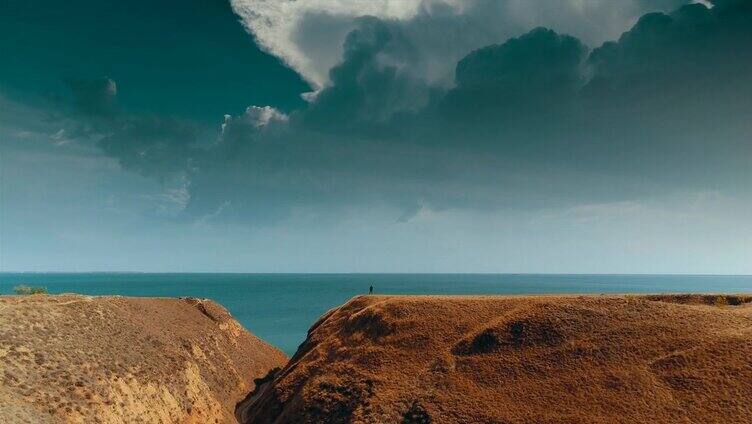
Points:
x=280 y=308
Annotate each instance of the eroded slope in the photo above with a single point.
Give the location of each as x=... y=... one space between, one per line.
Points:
x=87 y=359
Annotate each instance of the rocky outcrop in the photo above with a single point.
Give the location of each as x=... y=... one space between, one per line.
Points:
x=549 y=359
x=81 y=359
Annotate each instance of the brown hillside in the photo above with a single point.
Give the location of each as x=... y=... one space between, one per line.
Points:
x=550 y=359
x=83 y=359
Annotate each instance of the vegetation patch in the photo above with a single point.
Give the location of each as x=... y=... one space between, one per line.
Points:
x=336 y=400
x=416 y=415
x=23 y=289
x=703 y=299
x=522 y=333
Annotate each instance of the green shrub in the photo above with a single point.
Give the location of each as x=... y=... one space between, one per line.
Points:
x=23 y=289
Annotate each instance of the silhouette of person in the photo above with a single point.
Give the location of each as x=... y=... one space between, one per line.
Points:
x=370 y=290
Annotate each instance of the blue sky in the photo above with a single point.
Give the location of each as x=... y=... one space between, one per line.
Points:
x=380 y=136
x=190 y=59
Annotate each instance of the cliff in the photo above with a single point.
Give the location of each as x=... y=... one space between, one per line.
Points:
x=548 y=359
x=80 y=359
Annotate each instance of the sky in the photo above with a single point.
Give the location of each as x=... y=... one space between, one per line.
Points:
x=521 y=136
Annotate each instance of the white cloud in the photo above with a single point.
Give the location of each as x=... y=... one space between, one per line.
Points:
x=60 y=137
x=275 y=24
x=262 y=116
x=256 y=116
x=308 y=34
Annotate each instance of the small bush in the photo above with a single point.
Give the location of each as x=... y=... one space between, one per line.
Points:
x=23 y=289
x=721 y=301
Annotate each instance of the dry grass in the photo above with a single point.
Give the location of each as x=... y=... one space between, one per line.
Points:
x=81 y=359
x=568 y=359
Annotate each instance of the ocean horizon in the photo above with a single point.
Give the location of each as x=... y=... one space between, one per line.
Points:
x=279 y=308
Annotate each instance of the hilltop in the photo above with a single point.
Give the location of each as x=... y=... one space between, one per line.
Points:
x=82 y=359
x=516 y=359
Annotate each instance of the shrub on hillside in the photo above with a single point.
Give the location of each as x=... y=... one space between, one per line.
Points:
x=23 y=289
x=720 y=300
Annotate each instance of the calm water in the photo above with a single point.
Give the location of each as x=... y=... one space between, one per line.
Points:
x=280 y=307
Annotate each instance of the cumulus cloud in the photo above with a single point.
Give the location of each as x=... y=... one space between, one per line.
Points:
x=285 y=27
x=255 y=116
x=309 y=35
x=529 y=122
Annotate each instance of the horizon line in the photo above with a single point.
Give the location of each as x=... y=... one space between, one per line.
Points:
x=667 y=274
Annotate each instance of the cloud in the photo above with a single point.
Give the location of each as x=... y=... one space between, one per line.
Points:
x=277 y=26
x=510 y=88
x=531 y=122
x=371 y=84
x=309 y=35
x=669 y=94
x=94 y=96
x=152 y=146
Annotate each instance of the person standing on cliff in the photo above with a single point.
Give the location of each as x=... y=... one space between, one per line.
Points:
x=370 y=289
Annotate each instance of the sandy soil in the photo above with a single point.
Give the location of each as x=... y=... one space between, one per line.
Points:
x=80 y=359
x=549 y=359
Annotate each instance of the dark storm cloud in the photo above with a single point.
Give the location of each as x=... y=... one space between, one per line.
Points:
x=371 y=85
x=536 y=61
x=151 y=145
x=515 y=95
x=535 y=121
x=688 y=54
x=674 y=94
x=666 y=102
